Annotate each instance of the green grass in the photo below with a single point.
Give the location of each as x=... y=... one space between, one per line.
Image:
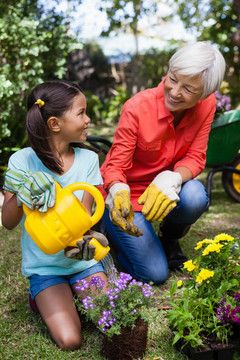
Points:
x=23 y=335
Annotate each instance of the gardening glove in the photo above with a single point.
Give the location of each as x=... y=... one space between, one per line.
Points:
x=85 y=251
x=121 y=210
x=35 y=189
x=161 y=196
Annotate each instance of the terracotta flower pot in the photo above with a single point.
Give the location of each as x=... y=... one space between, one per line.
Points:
x=130 y=344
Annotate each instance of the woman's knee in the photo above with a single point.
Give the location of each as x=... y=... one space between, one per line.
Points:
x=156 y=275
x=193 y=201
x=153 y=270
x=195 y=193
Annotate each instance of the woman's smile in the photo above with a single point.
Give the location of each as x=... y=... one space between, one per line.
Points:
x=182 y=92
x=173 y=100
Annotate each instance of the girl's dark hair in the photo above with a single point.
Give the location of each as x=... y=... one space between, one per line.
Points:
x=58 y=97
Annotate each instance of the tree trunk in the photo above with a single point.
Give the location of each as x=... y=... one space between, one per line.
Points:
x=236 y=36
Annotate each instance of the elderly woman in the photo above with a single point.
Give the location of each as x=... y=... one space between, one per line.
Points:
x=159 y=148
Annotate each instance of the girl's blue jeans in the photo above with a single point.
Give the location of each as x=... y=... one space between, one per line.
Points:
x=144 y=257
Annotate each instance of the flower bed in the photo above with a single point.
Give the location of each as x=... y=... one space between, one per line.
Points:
x=198 y=315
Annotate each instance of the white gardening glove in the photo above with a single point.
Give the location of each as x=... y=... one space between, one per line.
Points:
x=161 y=196
x=121 y=210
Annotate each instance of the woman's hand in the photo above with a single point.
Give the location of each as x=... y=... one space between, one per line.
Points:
x=161 y=196
x=121 y=210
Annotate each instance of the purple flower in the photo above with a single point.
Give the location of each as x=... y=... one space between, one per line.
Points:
x=120 y=302
x=147 y=290
x=237 y=297
x=135 y=282
x=88 y=302
x=233 y=315
x=223 y=314
x=106 y=320
x=231 y=312
x=97 y=281
x=223 y=102
x=83 y=285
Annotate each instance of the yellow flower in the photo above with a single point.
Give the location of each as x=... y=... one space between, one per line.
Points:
x=200 y=243
x=214 y=247
x=179 y=283
x=223 y=237
x=204 y=275
x=189 y=265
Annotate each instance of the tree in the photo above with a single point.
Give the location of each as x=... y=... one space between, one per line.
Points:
x=33 y=48
x=236 y=35
x=89 y=67
x=217 y=21
x=124 y=15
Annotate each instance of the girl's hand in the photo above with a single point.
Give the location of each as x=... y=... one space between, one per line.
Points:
x=85 y=251
x=11 y=213
x=35 y=189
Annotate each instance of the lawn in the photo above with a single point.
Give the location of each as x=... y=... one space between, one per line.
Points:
x=22 y=332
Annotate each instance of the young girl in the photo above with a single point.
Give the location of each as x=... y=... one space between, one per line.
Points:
x=56 y=118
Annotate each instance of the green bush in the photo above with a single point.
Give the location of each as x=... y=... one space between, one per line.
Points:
x=33 y=48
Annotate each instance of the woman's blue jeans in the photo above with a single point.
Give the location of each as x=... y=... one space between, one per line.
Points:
x=144 y=257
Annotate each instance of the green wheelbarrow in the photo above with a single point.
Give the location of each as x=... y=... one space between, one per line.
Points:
x=223 y=153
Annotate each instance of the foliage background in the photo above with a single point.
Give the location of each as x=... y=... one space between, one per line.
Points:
x=33 y=48
x=36 y=44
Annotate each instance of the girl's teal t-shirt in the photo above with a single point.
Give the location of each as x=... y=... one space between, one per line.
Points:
x=84 y=169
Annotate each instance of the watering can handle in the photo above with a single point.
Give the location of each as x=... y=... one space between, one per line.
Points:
x=100 y=205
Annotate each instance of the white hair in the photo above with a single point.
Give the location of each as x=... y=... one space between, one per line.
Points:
x=200 y=58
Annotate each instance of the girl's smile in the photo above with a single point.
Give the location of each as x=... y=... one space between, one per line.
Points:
x=74 y=123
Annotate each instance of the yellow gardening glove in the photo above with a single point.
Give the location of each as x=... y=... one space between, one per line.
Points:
x=161 y=196
x=121 y=210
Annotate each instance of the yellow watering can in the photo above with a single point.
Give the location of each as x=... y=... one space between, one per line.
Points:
x=65 y=223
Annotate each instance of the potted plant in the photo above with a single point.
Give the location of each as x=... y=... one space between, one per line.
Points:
x=119 y=313
x=229 y=309
x=195 y=315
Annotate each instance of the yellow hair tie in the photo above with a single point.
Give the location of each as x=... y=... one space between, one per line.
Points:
x=40 y=103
